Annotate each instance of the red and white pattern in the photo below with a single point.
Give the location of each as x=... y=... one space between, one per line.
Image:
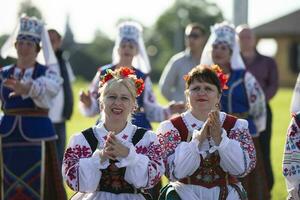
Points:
x=182 y=159
x=244 y=138
x=291 y=162
x=71 y=163
x=82 y=168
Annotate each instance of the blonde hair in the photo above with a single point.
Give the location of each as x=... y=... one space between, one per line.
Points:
x=128 y=82
x=113 y=83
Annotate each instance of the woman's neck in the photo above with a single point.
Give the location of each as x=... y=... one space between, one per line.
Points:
x=202 y=116
x=226 y=68
x=127 y=63
x=24 y=64
x=249 y=53
x=249 y=56
x=115 y=127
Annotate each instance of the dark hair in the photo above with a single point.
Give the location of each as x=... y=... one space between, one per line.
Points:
x=203 y=73
x=38 y=48
x=56 y=32
x=195 y=25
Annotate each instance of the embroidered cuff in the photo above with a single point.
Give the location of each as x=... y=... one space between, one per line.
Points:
x=97 y=161
x=36 y=89
x=194 y=145
x=224 y=142
x=131 y=159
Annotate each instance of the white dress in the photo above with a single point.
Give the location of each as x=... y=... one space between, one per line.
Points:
x=291 y=161
x=82 y=168
x=236 y=151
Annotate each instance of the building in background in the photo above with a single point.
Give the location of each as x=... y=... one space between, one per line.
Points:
x=286 y=33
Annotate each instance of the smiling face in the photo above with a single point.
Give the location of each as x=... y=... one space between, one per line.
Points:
x=202 y=96
x=26 y=50
x=221 y=54
x=127 y=49
x=117 y=102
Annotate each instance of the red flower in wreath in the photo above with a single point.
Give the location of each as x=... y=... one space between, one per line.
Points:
x=139 y=84
x=107 y=76
x=125 y=71
x=223 y=78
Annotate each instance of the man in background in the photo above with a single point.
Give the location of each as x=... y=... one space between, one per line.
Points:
x=63 y=102
x=264 y=69
x=171 y=82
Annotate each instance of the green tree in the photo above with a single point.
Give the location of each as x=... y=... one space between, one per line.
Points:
x=88 y=57
x=29 y=9
x=167 y=35
x=7 y=61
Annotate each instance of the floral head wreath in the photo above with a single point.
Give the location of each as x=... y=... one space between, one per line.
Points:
x=121 y=73
x=223 y=78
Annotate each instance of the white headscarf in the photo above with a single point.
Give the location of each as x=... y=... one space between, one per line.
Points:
x=132 y=31
x=223 y=32
x=30 y=26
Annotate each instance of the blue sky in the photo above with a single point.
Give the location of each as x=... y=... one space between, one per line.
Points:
x=89 y=15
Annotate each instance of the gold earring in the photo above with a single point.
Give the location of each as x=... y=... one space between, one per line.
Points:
x=217 y=105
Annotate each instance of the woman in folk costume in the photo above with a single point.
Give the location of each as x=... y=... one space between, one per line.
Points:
x=129 y=50
x=28 y=164
x=205 y=150
x=114 y=160
x=243 y=99
x=291 y=162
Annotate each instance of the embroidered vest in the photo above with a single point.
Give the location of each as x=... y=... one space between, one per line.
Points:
x=112 y=179
x=23 y=114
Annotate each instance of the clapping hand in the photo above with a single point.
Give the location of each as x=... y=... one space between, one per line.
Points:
x=211 y=128
x=215 y=128
x=17 y=87
x=203 y=133
x=113 y=148
x=85 y=98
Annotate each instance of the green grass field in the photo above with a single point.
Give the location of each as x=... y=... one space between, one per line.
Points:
x=281 y=118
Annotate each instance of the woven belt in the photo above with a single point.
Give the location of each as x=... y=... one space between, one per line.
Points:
x=219 y=182
x=27 y=112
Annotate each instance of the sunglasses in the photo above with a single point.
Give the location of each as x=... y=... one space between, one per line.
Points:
x=194 y=35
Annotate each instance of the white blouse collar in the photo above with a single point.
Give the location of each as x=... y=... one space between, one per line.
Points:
x=193 y=121
x=126 y=134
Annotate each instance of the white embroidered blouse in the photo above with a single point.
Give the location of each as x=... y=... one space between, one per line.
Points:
x=182 y=159
x=291 y=159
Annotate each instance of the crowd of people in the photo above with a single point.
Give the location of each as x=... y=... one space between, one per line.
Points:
x=213 y=140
